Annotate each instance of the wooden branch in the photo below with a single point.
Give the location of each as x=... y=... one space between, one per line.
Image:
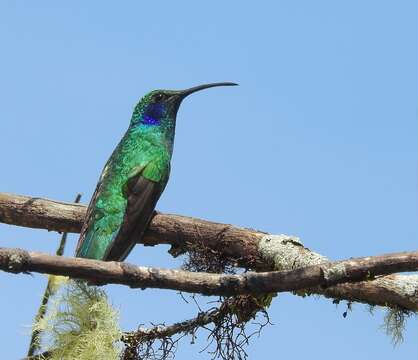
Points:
x=244 y=246
x=177 y=231
x=41 y=213
x=232 y=312
x=164 y=331
x=101 y=272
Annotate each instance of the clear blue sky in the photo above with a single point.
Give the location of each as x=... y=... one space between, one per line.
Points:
x=319 y=140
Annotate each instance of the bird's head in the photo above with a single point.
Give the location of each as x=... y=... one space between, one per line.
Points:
x=159 y=107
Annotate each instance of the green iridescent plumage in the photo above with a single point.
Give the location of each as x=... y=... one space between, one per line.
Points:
x=133 y=178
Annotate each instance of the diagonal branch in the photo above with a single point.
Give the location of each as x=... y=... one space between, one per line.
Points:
x=34 y=344
x=101 y=272
x=246 y=247
x=163 y=331
x=227 y=334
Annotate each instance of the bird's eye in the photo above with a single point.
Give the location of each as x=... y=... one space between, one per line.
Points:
x=158 y=97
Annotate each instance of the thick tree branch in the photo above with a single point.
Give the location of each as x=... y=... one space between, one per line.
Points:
x=177 y=231
x=248 y=248
x=101 y=272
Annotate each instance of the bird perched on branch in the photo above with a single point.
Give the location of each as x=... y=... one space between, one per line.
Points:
x=133 y=178
x=83 y=324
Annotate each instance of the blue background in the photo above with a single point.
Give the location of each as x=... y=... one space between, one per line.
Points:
x=319 y=140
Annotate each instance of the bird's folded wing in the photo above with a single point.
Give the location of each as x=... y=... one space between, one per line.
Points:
x=82 y=245
x=142 y=195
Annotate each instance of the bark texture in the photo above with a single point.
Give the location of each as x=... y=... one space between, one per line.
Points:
x=110 y=272
x=248 y=248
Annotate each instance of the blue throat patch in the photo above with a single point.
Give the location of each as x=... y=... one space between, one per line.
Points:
x=153 y=115
x=148 y=120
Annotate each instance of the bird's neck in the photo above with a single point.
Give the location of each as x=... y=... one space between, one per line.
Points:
x=162 y=135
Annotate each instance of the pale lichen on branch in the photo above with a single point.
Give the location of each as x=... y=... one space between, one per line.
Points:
x=241 y=246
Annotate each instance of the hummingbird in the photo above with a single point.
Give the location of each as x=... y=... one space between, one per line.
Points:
x=133 y=178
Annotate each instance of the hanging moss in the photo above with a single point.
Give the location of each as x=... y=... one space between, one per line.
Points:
x=395 y=322
x=81 y=325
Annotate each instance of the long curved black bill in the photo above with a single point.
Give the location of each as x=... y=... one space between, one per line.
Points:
x=192 y=90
